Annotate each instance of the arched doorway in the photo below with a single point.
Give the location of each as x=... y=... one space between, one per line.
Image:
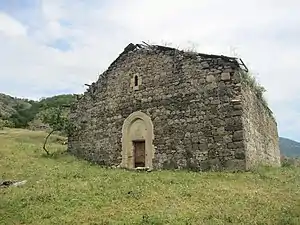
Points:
x=137 y=141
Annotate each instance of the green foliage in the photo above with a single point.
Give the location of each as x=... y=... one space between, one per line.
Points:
x=46 y=113
x=9 y=104
x=57 y=118
x=20 y=113
x=6 y=123
x=66 y=190
x=23 y=116
x=56 y=101
x=290 y=161
x=250 y=80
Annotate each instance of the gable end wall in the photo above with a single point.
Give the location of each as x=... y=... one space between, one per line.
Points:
x=193 y=103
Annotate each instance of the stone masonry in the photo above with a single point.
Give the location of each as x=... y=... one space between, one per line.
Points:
x=182 y=110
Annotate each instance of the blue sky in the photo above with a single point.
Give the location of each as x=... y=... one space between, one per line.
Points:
x=51 y=47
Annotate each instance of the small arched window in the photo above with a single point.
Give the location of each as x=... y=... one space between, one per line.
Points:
x=136 y=81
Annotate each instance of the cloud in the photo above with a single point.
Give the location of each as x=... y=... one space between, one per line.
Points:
x=55 y=46
x=61 y=44
x=11 y=27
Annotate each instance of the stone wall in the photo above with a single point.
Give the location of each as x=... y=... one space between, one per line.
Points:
x=260 y=131
x=188 y=99
x=193 y=101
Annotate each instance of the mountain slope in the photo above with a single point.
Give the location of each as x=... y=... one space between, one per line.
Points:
x=22 y=113
x=289 y=147
x=9 y=105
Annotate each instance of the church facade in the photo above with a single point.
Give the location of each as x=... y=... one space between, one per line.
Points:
x=161 y=108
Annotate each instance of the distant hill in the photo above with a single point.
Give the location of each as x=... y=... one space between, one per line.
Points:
x=9 y=105
x=289 y=147
x=25 y=113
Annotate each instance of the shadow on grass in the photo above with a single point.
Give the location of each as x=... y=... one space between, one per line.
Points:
x=56 y=155
x=265 y=172
x=290 y=215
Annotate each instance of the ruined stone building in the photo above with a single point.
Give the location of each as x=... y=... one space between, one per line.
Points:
x=162 y=108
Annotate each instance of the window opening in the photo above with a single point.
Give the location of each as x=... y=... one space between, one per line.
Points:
x=136 y=79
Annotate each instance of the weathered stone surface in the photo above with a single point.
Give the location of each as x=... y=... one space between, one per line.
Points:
x=225 y=76
x=201 y=118
x=238 y=135
x=260 y=131
x=210 y=78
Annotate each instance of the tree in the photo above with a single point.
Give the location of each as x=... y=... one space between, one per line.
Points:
x=57 y=118
x=1 y=124
x=24 y=114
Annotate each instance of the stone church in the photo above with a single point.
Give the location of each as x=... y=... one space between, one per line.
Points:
x=162 y=108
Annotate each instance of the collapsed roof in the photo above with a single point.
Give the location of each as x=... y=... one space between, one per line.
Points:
x=133 y=47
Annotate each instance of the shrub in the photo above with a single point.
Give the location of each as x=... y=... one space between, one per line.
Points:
x=290 y=162
x=250 y=80
x=1 y=124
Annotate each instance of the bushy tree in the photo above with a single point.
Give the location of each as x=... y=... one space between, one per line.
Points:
x=26 y=111
x=57 y=118
x=1 y=124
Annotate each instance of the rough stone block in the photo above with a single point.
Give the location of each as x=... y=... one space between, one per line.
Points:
x=238 y=135
x=235 y=165
x=210 y=78
x=225 y=76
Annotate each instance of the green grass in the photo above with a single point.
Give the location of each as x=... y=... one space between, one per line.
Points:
x=64 y=190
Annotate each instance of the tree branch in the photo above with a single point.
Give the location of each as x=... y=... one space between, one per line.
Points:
x=45 y=142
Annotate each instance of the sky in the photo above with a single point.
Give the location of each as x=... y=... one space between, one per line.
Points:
x=50 y=47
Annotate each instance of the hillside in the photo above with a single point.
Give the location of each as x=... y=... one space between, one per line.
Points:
x=10 y=105
x=24 y=113
x=64 y=190
x=289 y=147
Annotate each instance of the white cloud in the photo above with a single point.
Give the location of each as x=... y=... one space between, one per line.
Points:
x=11 y=27
x=265 y=34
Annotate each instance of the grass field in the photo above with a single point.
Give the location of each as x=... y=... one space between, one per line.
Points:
x=64 y=190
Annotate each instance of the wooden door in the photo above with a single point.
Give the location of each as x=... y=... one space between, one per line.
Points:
x=139 y=153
